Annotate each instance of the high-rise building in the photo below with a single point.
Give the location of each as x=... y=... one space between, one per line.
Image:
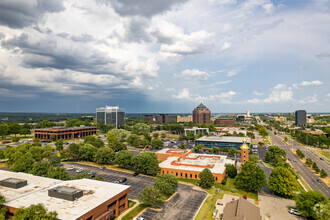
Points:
x=300 y=117
x=201 y=115
x=111 y=115
x=248 y=113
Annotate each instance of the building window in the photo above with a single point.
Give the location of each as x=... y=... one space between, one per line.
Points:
x=185 y=175
x=111 y=205
x=195 y=176
x=190 y=176
x=123 y=197
x=181 y=174
x=89 y=218
x=216 y=178
x=176 y=174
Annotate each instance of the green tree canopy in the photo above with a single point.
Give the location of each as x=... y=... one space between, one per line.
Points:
x=121 y=134
x=251 y=178
x=150 y=196
x=134 y=140
x=93 y=140
x=232 y=151
x=36 y=212
x=306 y=202
x=104 y=155
x=72 y=152
x=23 y=164
x=4 y=130
x=58 y=173
x=111 y=139
x=157 y=144
x=54 y=159
x=140 y=128
x=275 y=155
x=87 y=152
x=166 y=184
x=40 y=168
x=14 y=129
x=207 y=179
x=59 y=145
x=3 y=210
x=283 y=182
x=145 y=162
x=231 y=170
x=123 y=158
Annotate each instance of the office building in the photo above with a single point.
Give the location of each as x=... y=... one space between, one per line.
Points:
x=240 y=117
x=201 y=115
x=64 y=133
x=82 y=199
x=222 y=141
x=227 y=122
x=310 y=119
x=248 y=114
x=149 y=118
x=161 y=118
x=300 y=117
x=241 y=209
x=111 y=115
x=184 y=119
x=196 y=130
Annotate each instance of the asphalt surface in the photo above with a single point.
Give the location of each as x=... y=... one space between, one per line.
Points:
x=266 y=190
x=182 y=206
x=308 y=176
x=138 y=183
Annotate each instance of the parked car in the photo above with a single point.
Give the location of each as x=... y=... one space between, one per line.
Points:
x=319 y=180
x=294 y=212
x=135 y=174
x=122 y=180
x=294 y=160
x=92 y=173
x=66 y=143
x=321 y=158
x=102 y=168
x=289 y=159
x=116 y=182
x=80 y=170
x=138 y=218
x=70 y=168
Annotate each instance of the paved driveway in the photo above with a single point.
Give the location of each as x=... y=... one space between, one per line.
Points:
x=182 y=206
x=138 y=183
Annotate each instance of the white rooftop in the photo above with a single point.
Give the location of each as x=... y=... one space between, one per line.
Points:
x=202 y=160
x=224 y=139
x=36 y=191
x=182 y=151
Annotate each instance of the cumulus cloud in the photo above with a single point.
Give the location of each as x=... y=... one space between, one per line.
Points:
x=309 y=99
x=279 y=94
x=194 y=74
x=232 y=73
x=257 y=93
x=307 y=83
x=225 y=46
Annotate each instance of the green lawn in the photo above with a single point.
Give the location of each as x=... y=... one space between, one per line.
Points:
x=131 y=203
x=188 y=180
x=134 y=212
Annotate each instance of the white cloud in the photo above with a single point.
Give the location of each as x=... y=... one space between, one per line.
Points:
x=279 y=94
x=232 y=73
x=309 y=99
x=194 y=74
x=307 y=83
x=328 y=95
x=257 y=93
x=184 y=94
x=225 y=46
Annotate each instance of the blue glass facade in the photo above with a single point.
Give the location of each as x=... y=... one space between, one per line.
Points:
x=211 y=144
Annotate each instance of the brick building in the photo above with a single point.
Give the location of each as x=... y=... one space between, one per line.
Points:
x=225 y=121
x=82 y=199
x=161 y=118
x=185 y=164
x=201 y=115
x=64 y=133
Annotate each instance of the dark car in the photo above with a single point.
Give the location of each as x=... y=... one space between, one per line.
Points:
x=321 y=158
x=92 y=174
x=135 y=174
x=319 y=180
x=122 y=180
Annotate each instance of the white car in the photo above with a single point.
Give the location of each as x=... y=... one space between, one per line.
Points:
x=70 y=168
x=294 y=212
x=138 y=218
x=80 y=170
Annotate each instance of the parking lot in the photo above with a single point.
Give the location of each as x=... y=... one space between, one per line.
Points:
x=138 y=183
x=182 y=206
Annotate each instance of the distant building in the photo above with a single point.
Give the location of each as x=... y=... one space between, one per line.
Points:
x=161 y=118
x=224 y=121
x=240 y=117
x=300 y=117
x=111 y=115
x=196 y=130
x=248 y=113
x=73 y=199
x=241 y=209
x=222 y=141
x=183 y=119
x=310 y=119
x=280 y=119
x=149 y=118
x=64 y=133
x=201 y=115
x=188 y=165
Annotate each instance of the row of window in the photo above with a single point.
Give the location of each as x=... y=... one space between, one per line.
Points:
x=184 y=175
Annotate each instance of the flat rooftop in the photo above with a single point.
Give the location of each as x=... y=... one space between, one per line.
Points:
x=228 y=139
x=173 y=151
x=197 y=162
x=64 y=128
x=95 y=193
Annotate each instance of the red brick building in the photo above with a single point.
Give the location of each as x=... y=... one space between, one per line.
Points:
x=201 y=115
x=64 y=133
x=225 y=121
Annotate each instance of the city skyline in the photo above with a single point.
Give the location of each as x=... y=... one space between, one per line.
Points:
x=164 y=56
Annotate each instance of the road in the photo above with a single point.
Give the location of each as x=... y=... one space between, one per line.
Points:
x=308 y=176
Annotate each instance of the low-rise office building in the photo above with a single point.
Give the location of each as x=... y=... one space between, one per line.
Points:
x=196 y=130
x=82 y=199
x=223 y=141
x=184 y=119
x=64 y=133
x=185 y=164
x=224 y=122
x=161 y=118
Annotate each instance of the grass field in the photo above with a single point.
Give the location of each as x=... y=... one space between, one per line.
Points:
x=134 y=212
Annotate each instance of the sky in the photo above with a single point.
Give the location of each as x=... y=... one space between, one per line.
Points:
x=164 y=56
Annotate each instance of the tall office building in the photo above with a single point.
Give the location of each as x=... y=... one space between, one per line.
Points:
x=201 y=115
x=111 y=115
x=300 y=117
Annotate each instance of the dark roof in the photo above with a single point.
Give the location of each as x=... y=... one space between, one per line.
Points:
x=241 y=209
x=201 y=106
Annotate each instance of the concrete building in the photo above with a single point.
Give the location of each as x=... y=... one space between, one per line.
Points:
x=64 y=133
x=196 y=130
x=183 y=119
x=240 y=117
x=149 y=118
x=310 y=119
x=201 y=115
x=300 y=117
x=161 y=118
x=224 y=122
x=185 y=164
x=241 y=209
x=82 y=199
x=248 y=114
x=111 y=115
x=222 y=141
x=280 y=119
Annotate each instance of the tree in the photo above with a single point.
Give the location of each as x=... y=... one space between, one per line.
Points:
x=14 y=129
x=140 y=128
x=37 y=152
x=23 y=164
x=4 y=130
x=163 y=135
x=251 y=178
x=72 y=152
x=316 y=168
x=146 y=162
x=309 y=162
x=150 y=196
x=3 y=210
x=157 y=144
x=215 y=149
x=58 y=173
x=59 y=145
x=104 y=155
x=198 y=148
x=118 y=146
x=54 y=159
x=286 y=139
x=87 y=152
x=207 y=179
x=123 y=158
x=40 y=168
x=275 y=155
x=190 y=136
x=283 y=182
x=25 y=131
x=182 y=146
x=111 y=138
x=96 y=142
x=300 y=153
x=134 y=140
x=306 y=202
x=323 y=173
x=52 y=137
x=121 y=134
x=166 y=184
x=231 y=170
x=155 y=135
x=232 y=151
x=147 y=137
x=38 y=212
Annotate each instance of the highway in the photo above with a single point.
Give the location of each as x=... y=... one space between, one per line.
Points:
x=308 y=176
